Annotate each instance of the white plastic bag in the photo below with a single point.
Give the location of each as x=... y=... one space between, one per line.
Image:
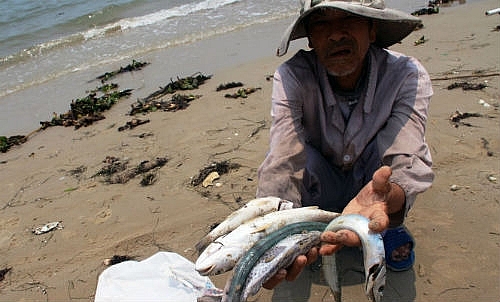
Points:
x=163 y=277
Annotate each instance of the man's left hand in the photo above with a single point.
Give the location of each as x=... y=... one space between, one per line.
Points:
x=375 y=201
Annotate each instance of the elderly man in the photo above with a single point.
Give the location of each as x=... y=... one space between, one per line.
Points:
x=347 y=134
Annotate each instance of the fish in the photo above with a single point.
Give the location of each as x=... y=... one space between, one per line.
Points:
x=331 y=275
x=253 y=208
x=280 y=256
x=265 y=249
x=373 y=254
x=222 y=255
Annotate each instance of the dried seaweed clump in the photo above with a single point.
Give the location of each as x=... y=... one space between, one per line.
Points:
x=85 y=111
x=467 y=86
x=136 y=65
x=229 y=85
x=242 y=93
x=187 y=83
x=457 y=117
x=7 y=142
x=177 y=102
x=222 y=167
x=116 y=171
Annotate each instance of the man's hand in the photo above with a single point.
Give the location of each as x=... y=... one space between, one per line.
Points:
x=292 y=272
x=375 y=201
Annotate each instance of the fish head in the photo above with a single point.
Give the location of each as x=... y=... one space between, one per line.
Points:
x=205 y=270
x=216 y=260
x=204 y=263
x=375 y=282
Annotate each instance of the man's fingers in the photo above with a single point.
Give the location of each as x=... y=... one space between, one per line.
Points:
x=329 y=249
x=379 y=221
x=275 y=280
x=342 y=237
x=296 y=268
x=292 y=272
x=380 y=179
x=312 y=255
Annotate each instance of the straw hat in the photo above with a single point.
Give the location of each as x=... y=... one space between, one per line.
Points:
x=392 y=25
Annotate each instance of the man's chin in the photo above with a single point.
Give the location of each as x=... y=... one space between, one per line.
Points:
x=341 y=71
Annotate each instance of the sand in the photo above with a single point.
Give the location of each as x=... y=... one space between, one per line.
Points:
x=49 y=178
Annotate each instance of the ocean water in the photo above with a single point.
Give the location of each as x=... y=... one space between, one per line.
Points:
x=45 y=41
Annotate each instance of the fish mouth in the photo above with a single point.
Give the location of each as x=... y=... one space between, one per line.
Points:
x=205 y=271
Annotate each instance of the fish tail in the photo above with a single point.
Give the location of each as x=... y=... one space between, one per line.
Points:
x=332 y=276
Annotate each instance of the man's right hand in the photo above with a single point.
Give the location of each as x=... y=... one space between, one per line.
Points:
x=293 y=271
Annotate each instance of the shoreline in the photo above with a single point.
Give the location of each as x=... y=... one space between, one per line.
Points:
x=51 y=177
x=207 y=55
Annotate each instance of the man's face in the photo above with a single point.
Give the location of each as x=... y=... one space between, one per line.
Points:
x=340 y=40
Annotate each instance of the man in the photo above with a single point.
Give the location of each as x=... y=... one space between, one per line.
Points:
x=348 y=133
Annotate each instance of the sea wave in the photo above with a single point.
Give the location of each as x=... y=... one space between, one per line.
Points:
x=132 y=52
x=117 y=26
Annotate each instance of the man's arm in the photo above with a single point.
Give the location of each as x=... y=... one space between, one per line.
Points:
x=281 y=172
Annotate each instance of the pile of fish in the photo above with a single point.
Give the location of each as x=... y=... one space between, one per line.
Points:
x=267 y=234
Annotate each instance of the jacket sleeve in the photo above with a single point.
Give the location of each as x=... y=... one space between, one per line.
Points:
x=281 y=172
x=402 y=141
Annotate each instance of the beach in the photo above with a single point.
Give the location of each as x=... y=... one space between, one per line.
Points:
x=53 y=176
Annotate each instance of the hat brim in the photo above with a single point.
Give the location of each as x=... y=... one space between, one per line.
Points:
x=392 y=25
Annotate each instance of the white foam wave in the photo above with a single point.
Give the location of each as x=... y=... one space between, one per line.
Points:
x=156 y=17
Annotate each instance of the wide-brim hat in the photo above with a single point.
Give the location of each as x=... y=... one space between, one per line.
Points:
x=392 y=25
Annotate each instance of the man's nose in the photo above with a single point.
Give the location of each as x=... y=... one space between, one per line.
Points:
x=338 y=30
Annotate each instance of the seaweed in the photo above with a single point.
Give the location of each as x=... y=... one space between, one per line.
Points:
x=135 y=65
x=85 y=111
x=7 y=142
x=132 y=124
x=116 y=172
x=177 y=102
x=148 y=179
x=467 y=86
x=242 y=93
x=187 y=83
x=229 y=85
x=457 y=117
x=222 y=167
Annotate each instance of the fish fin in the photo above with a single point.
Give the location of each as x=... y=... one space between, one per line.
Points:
x=311 y=207
x=285 y=205
x=261 y=228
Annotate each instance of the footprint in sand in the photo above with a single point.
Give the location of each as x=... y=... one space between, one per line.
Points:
x=103 y=215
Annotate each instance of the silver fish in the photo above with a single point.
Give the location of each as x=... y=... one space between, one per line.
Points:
x=253 y=208
x=280 y=256
x=373 y=254
x=222 y=255
x=236 y=284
